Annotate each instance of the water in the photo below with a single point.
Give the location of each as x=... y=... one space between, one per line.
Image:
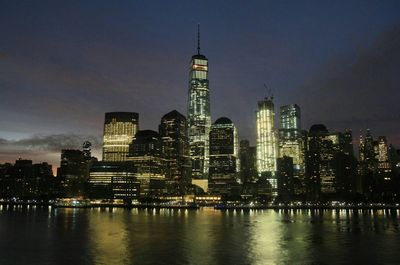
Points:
x=207 y=236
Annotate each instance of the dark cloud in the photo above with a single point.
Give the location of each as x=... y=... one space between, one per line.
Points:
x=45 y=148
x=358 y=91
x=49 y=143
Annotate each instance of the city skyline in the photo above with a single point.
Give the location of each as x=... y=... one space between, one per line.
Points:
x=54 y=114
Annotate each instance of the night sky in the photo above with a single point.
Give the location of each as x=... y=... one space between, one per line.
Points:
x=63 y=64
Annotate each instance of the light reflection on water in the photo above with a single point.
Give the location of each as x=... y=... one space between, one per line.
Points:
x=42 y=235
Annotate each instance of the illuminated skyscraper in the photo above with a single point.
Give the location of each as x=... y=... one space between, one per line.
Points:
x=175 y=146
x=291 y=137
x=330 y=166
x=145 y=152
x=224 y=156
x=383 y=155
x=290 y=117
x=119 y=130
x=199 y=117
x=321 y=146
x=267 y=148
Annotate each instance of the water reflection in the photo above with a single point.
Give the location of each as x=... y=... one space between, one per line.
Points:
x=207 y=236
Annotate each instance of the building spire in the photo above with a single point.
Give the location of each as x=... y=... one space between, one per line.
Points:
x=198 y=39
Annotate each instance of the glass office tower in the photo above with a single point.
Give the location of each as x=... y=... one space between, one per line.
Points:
x=267 y=144
x=119 y=130
x=224 y=156
x=199 y=118
x=290 y=136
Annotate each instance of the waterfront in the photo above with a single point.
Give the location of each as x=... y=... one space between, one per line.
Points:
x=42 y=235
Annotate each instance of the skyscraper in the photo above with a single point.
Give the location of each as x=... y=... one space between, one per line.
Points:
x=199 y=117
x=119 y=130
x=383 y=155
x=248 y=162
x=290 y=136
x=224 y=156
x=285 y=178
x=175 y=146
x=267 y=148
x=367 y=153
x=73 y=172
x=328 y=162
x=146 y=156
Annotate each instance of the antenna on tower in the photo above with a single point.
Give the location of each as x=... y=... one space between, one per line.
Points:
x=198 y=39
x=269 y=92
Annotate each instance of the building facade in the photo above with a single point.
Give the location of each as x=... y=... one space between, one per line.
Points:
x=119 y=130
x=199 y=116
x=73 y=172
x=174 y=144
x=285 y=170
x=145 y=153
x=330 y=166
x=248 y=162
x=113 y=180
x=291 y=138
x=267 y=142
x=224 y=157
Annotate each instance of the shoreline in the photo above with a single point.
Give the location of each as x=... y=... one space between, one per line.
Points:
x=216 y=207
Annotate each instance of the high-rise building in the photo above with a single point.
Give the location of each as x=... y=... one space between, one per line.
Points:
x=375 y=169
x=330 y=167
x=267 y=142
x=175 y=147
x=291 y=142
x=383 y=155
x=347 y=142
x=25 y=180
x=367 y=152
x=224 y=156
x=248 y=162
x=119 y=130
x=113 y=180
x=199 y=117
x=290 y=117
x=285 y=178
x=73 y=172
x=150 y=166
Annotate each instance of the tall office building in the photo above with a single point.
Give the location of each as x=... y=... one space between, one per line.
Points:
x=73 y=172
x=285 y=178
x=113 y=180
x=329 y=162
x=150 y=166
x=119 y=130
x=224 y=156
x=383 y=155
x=199 y=117
x=290 y=117
x=248 y=162
x=291 y=142
x=267 y=144
x=175 y=146
x=367 y=152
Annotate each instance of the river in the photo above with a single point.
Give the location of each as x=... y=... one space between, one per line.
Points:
x=45 y=235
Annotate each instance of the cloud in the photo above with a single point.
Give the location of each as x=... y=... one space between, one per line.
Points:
x=358 y=91
x=45 y=148
x=48 y=143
